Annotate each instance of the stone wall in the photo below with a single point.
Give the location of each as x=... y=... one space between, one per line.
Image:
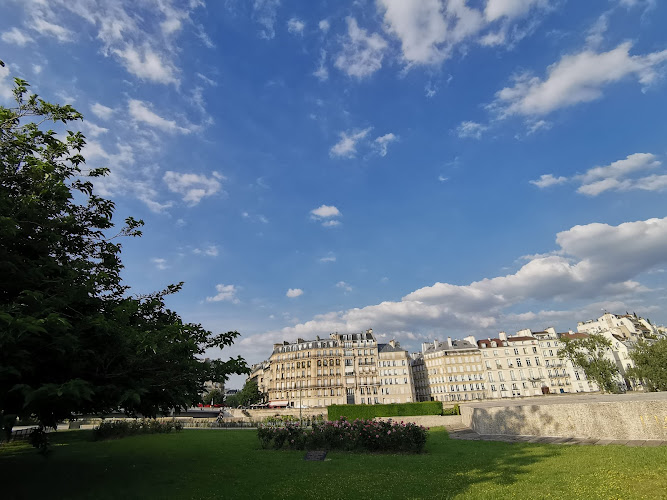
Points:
x=448 y=421
x=636 y=417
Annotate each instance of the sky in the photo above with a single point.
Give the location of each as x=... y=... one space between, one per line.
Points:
x=425 y=168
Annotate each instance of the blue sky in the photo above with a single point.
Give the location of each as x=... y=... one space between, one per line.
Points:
x=423 y=168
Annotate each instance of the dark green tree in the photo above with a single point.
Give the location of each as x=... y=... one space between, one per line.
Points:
x=72 y=339
x=214 y=397
x=650 y=365
x=250 y=394
x=589 y=355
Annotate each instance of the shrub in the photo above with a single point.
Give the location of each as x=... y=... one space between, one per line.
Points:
x=357 y=435
x=121 y=428
x=452 y=411
x=390 y=410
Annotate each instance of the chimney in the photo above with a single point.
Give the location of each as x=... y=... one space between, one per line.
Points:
x=449 y=342
x=471 y=339
x=392 y=343
x=502 y=336
x=436 y=344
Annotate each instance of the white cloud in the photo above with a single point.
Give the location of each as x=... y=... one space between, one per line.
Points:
x=296 y=26
x=344 y=286
x=143 y=36
x=226 y=293
x=101 y=111
x=325 y=211
x=92 y=130
x=471 y=130
x=37 y=68
x=322 y=73
x=193 y=187
x=383 y=141
x=632 y=163
x=326 y=214
x=46 y=28
x=547 y=180
x=347 y=146
x=126 y=177
x=294 y=292
x=429 y=29
x=361 y=54
x=330 y=257
x=209 y=251
x=575 y=79
x=265 y=13
x=17 y=37
x=160 y=264
x=442 y=178
x=148 y=64
x=5 y=85
x=141 y=113
x=496 y=9
x=614 y=177
x=592 y=262
x=324 y=25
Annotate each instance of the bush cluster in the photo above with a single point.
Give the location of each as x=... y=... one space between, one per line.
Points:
x=120 y=428
x=455 y=410
x=390 y=410
x=280 y=420
x=357 y=435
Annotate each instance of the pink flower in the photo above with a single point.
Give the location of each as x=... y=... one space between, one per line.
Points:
x=388 y=432
x=377 y=436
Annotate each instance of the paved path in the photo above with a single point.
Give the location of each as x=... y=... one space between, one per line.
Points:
x=470 y=435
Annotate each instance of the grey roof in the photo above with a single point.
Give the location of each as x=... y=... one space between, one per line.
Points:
x=456 y=345
x=389 y=348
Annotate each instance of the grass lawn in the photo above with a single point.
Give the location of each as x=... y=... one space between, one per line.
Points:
x=230 y=464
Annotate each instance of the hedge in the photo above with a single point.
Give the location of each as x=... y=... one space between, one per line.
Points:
x=358 y=435
x=391 y=410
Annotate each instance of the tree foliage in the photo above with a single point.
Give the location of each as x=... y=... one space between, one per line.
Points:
x=72 y=340
x=650 y=365
x=214 y=397
x=589 y=355
x=250 y=394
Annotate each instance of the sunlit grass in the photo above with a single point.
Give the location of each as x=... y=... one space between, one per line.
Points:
x=230 y=464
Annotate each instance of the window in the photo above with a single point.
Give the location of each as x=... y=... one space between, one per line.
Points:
x=516 y=351
x=518 y=361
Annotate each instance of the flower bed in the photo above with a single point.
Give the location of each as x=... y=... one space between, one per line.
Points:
x=358 y=435
x=121 y=428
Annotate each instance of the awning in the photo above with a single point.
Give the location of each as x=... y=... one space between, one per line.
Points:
x=278 y=403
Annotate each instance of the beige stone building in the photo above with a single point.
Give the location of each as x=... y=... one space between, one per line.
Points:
x=338 y=370
x=449 y=371
x=396 y=381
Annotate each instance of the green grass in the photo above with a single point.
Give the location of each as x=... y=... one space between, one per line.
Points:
x=229 y=464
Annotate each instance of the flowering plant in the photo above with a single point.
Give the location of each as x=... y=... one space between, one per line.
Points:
x=357 y=435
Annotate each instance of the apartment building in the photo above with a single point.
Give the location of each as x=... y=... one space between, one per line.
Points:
x=339 y=370
x=628 y=326
x=449 y=371
x=396 y=380
x=514 y=366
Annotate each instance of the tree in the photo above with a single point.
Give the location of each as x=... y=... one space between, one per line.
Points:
x=232 y=400
x=589 y=355
x=72 y=340
x=214 y=397
x=250 y=394
x=650 y=364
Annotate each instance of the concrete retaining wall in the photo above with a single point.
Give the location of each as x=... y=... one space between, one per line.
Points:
x=449 y=421
x=636 y=417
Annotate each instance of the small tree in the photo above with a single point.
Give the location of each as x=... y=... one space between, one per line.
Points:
x=214 y=397
x=589 y=355
x=650 y=365
x=250 y=394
